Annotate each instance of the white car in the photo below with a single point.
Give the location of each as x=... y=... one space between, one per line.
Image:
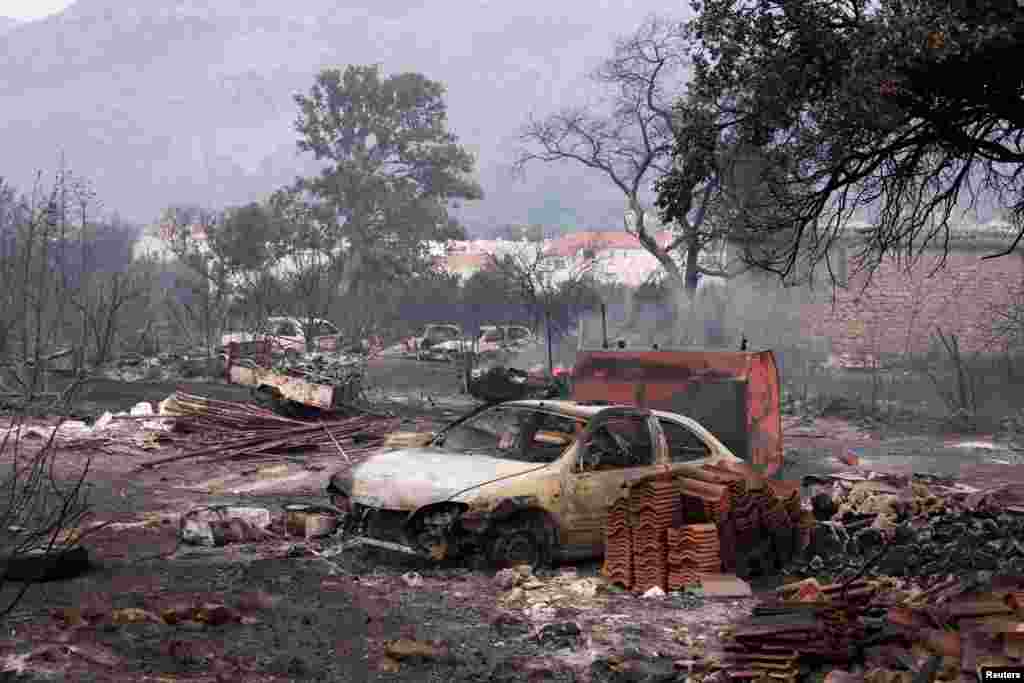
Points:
x=287 y=336
x=509 y=338
x=441 y=341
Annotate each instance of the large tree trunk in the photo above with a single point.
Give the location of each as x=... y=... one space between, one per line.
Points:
x=678 y=280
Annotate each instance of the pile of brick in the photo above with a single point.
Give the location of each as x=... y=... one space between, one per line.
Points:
x=656 y=507
x=676 y=525
x=618 y=546
x=693 y=551
x=762 y=522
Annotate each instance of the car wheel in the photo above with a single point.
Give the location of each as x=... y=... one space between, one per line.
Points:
x=515 y=546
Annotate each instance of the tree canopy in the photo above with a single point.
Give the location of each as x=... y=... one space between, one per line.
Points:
x=903 y=111
x=392 y=166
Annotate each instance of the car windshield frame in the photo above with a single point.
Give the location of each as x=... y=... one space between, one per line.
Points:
x=540 y=425
x=442 y=333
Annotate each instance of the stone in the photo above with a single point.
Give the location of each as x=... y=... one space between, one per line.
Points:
x=824 y=507
x=828 y=539
x=291 y=666
x=895 y=561
x=308 y=525
x=634 y=668
x=406 y=649
x=585 y=588
x=142 y=409
x=508 y=626
x=506 y=578
x=869 y=540
x=560 y=635
x=203 y=526
x=412 y=579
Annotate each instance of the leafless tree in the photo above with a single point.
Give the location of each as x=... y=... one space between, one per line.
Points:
x=42 y=505
x=192 y=235
x=632 y=137
x=550 y=287
x=310 y=265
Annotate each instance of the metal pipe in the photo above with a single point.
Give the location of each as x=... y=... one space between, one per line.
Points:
x=604 y=327
x=551 y=360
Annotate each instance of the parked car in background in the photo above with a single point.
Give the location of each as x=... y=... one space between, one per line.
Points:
x=288 y=336
x=439 y=341
x=504 y=338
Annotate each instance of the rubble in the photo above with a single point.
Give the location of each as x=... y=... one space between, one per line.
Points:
x=886 y=629
x=309 y=521
x=498 y=383
x=405 y=650
x=560 y=636
x=220 y=525
x=917 y=527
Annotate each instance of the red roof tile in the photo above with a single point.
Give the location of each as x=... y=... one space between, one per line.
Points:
x=573 y=243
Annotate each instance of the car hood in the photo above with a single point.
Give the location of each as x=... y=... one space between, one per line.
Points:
x=409 y=478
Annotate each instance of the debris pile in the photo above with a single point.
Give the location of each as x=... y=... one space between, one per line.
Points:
x=241 y=431
x=304 y=378
x=339 y=370
x=880 y=629
x=499 y=383
x=674 y=527
x=915 y=530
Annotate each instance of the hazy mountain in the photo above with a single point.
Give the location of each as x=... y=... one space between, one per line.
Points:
x=191 y=100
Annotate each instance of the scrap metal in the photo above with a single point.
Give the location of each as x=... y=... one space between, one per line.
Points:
x=319 y=380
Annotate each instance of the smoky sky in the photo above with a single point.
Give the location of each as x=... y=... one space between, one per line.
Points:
x=190 y=101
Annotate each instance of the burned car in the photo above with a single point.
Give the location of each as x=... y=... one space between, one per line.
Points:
x=526 y=481
x=441 y=341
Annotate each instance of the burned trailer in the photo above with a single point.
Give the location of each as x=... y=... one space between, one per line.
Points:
x=734 y=394
x=315 y=384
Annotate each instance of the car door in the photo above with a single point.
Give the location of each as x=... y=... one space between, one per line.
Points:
x=597 y=477
x=684 y=445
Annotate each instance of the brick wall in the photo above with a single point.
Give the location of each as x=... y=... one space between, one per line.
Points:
x=899 y=312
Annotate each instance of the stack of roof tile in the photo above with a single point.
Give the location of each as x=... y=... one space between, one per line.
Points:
x=736 y=481
x=692 y=550
x=655 y=505
x=746 y=515
x=755 y=662
x=702 y=501
x=618 y=545
x=727 y=544
x=789 y=627
x=805 y=528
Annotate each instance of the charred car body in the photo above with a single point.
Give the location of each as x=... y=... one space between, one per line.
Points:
x=521 y=482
